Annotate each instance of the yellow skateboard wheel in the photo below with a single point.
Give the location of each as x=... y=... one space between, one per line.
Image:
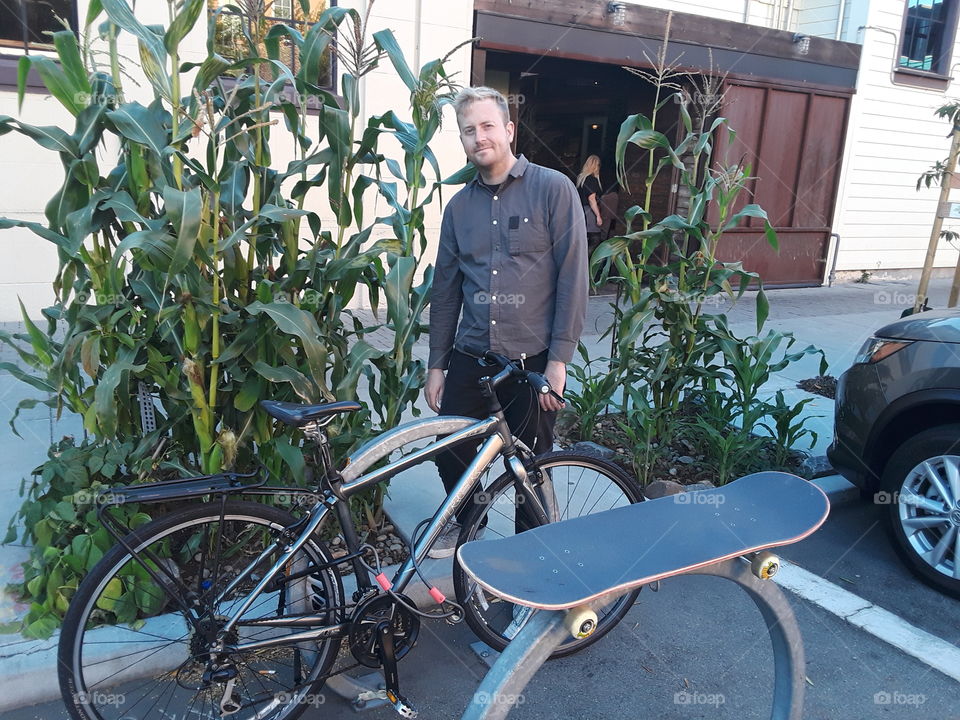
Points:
x=765 y=565
x=580 y=622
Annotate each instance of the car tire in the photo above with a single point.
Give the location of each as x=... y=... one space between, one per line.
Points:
x=921 y=494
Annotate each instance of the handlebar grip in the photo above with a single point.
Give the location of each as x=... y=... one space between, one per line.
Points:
x=539 y=382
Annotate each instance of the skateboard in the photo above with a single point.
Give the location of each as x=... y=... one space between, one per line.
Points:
x=575 y=562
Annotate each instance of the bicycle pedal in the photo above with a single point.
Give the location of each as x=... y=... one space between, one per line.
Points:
x=401 y=705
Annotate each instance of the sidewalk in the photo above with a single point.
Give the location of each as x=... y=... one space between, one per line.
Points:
x=836 y=319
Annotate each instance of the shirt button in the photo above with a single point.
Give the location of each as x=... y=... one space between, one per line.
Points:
x=496 y=197
x=493 y=322
x=494 y=222
x=494 y=272
x=526 y=219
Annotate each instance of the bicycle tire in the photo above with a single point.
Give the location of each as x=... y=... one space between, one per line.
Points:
x=159 y=673
x=491 y=618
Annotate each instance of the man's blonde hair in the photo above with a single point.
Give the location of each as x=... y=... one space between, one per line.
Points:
x=470 y=95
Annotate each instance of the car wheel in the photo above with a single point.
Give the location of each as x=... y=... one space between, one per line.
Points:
x=922 y=493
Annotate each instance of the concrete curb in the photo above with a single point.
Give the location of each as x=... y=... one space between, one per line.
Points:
x=838 y=489
x=29 y=671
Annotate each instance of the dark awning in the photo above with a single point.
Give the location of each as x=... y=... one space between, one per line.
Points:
x=577 y=30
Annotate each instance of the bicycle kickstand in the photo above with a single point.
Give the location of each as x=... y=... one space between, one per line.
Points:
x=391 y=677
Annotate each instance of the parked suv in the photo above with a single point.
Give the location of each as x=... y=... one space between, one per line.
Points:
x=897 y=438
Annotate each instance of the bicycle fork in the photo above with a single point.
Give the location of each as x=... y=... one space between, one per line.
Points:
x=538 y=492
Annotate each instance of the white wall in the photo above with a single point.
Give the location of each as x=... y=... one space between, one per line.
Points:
x=769 y=13
x=892 y=137
x=818 y=18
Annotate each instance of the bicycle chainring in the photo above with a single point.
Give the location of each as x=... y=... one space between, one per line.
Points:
x=370 y=613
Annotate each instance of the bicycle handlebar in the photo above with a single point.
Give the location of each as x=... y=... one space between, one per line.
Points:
x=511 y=370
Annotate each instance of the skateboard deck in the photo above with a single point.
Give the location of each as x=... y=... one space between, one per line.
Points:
x=577 y=561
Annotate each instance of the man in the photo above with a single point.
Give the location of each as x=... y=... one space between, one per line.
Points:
x=512 y=256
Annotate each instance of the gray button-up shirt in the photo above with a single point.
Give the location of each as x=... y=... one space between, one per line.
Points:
x=514 y=259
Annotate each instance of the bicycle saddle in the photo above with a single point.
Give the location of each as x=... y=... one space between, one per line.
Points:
x=299 y=415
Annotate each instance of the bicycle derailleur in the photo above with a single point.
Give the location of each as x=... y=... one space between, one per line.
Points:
x=383 y=631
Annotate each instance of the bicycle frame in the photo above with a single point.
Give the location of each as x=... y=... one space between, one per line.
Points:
x=497 y=441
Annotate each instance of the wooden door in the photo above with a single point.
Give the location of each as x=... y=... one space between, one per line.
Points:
x=792 y=140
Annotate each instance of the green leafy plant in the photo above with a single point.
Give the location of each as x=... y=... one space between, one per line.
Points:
x=59 y=518
x=588 y=395
x=787 y=425
x=730 y=450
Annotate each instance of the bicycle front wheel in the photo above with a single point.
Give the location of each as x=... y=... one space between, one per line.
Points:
x=133 y=647
x=581 y=485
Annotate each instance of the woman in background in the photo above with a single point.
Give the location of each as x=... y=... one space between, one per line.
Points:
x=588 y=185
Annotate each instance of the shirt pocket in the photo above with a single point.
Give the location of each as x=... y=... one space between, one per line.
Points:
x=529 y=236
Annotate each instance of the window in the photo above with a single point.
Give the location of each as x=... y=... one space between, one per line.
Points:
x=257 y=17
x=928 y=32
x=282 y=9
x=26 y=23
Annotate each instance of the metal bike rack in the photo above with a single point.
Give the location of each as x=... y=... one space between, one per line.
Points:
x=522 y=658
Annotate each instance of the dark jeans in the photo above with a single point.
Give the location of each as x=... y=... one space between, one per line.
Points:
x=461 y=396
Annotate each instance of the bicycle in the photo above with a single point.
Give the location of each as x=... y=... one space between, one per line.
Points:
x=237 y=607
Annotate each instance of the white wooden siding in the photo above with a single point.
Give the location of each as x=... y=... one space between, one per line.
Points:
x=893 y=136
x=758 y=12
x=818 y=18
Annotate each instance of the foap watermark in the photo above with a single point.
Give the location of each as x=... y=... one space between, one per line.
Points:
x=93 y=497
x=886 y=498
x=86 y=297
x=685 y=697
x=698 y=497
x=496 y=698
x=887 y=297
x=99 y=698
x=885 y=697
x=485 y=298
x=484 y=497
x=300 y=499
x=311 y=699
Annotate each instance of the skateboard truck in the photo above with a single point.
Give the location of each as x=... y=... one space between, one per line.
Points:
x=765 y=565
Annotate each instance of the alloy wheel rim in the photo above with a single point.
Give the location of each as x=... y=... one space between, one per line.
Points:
x=929 y=512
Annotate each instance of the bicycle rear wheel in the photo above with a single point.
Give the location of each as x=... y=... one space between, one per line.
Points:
x=127 y=649
x=582 y=485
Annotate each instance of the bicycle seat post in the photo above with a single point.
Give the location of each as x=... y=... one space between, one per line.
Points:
x=314 y=431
